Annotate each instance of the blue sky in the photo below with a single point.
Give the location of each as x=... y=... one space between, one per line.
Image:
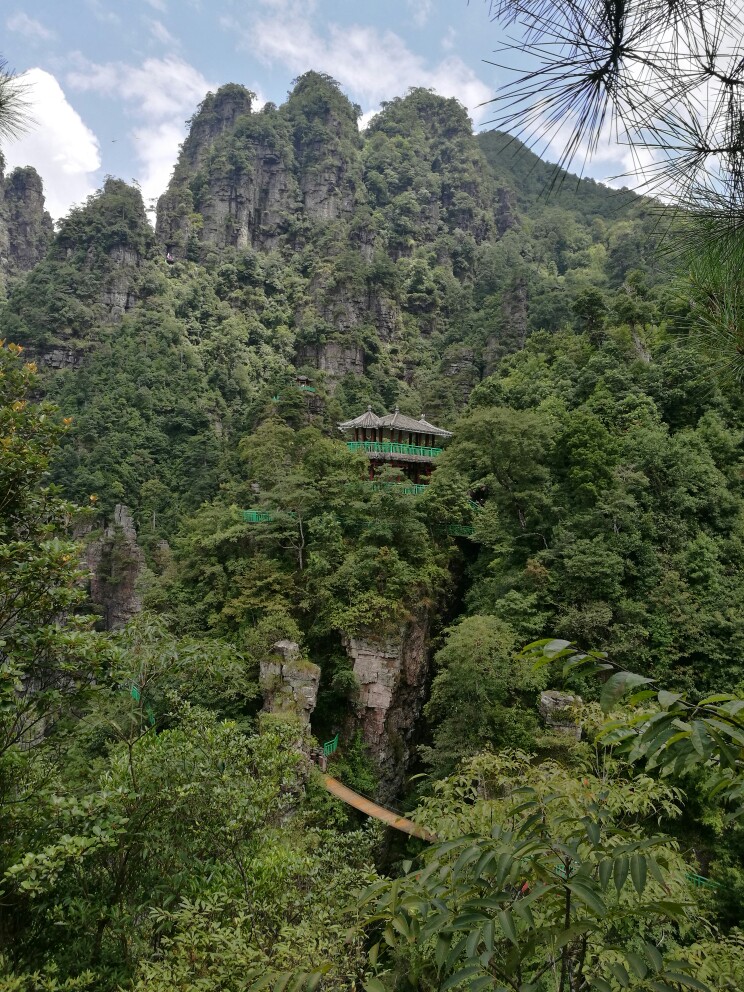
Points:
x=112 y=82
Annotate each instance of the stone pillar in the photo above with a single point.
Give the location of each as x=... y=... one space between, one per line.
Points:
x=392 y=675
x=116 y=562
x=289 y=683
x=561 y=712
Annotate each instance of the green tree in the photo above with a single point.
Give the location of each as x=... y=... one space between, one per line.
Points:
x=636 y=72
x=482 y=694
x=48 y=658
x=541 y=880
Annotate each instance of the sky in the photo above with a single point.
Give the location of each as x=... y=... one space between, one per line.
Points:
x=111 y=83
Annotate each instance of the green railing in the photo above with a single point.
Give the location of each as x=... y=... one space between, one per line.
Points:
x=459 y=530
x=392 y=448
x=256 y=517
x=700 y=882
x=330 y=747
x=136 y=695
x=401 y=487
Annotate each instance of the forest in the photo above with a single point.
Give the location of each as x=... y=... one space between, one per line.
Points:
x=536 y=656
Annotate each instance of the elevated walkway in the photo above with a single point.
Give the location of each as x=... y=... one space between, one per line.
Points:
x=366 y=806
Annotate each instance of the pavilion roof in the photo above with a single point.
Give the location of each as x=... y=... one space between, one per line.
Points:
x=367 y=419
x=401 y=422
x=397 y=421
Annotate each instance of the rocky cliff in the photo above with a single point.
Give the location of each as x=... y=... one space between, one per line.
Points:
x=393 y=680
x=248 y=179
x=94 y=271
x=26 y=228
x=343 y=206
x=289 y=682
x=116 y=562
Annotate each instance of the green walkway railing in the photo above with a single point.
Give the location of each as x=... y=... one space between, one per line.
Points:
x=256 y=517
x=460 y=530
x=700 y=882
x=401 y=487
x=330 y=747
x=392 y=448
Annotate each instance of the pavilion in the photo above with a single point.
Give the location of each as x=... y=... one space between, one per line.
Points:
x=397 y=440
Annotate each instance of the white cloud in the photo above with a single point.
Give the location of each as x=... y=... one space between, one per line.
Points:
x=160 y=33
x=159 y=5
x=448 y=41
x=156 y=147
x=59 y=144
x=159 y=94
x=372 y=65
x=420 y=10
x=366 y=118
x=102 y=13
x=28 y=26
x=159 y=88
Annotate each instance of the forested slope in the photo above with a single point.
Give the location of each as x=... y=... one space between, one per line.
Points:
x=594 y=478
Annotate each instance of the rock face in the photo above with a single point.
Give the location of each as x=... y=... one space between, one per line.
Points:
x=217 y=114
x=505 y=212
x=55 y=358
x=243 y=179
x=26 y=228
x=333 y=358
x=116 y=562
x=289 y=683
x=460 y=365
x=392 y=677
x=560 y=711
x=119 y=294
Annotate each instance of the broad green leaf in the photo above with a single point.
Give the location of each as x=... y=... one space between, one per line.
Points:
x=601 y=985
x=686 y=980
x=637 y=964
x=700 y=739
x=507 y=925
x=654 y=956
x=589 y=897
x=620 y=974
x=440 y=951
x=489 y=936
x=620 y=871
x=462 y=975
x=668 y=699
x=593 y=832
x=617 y=686
x=605 y=872
x=638 y=871
x=471 y=944
x=572 y=932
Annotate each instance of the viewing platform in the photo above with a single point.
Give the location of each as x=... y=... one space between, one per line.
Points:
x=384 y=450
x=397 y=440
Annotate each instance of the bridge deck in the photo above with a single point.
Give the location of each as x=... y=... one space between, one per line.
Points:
x=372 y=809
